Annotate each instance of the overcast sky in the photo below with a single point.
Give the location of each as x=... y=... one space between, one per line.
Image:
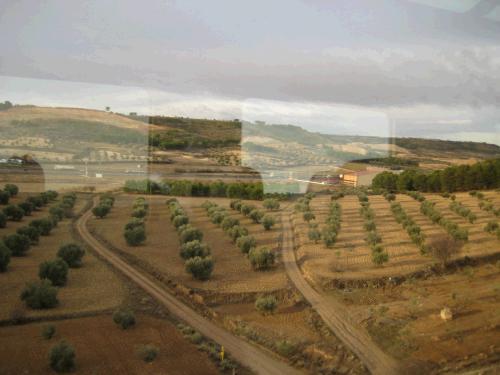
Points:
x=345 y=66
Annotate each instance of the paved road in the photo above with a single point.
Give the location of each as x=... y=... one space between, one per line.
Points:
x=334 y=314
x=247 y=354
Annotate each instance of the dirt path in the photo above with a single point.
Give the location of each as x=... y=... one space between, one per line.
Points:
x=334 y=314
x=247 y=354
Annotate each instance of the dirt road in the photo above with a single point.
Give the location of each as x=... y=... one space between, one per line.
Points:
x=247 y=354
x=334 y=314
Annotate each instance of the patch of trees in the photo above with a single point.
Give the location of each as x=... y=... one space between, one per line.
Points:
x=379 y=254
x=391 y=161
x=242 y=190
x=135 y=230
x=428 y=209
x=481 y=175
x=194 y=251
x=5 y=105
x=412 y=228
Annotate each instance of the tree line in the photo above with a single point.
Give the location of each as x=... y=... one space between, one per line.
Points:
x=481 y=175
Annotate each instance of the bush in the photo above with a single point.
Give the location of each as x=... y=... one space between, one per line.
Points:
x=139 y=212
x=200 y=268
x=148 y=353
x=237 y=232
x=308 y=216
x=40 y=295
x=62 y=357
x=57 y=211
x=48 y=331
x=101 y=210
x=218 y=216
x=11 y=189
x=190 y=234
x=379 y=256
x=17 y=243
x=72 y=254
x=491 y=227
x=286 y=348
x=229 y=222
x=193 y=249
x=246 y=243
x=268 y=222
x=271 y=204
x=256 y=216
x=5 y=254
x=125 y=318
x=13 y=212
x=180 y=220
x=27 y=208
x=135 y=236
x=44 y=226
x=329 y=236
x=261 y=259
x=3 y=220
x=443 y=249
x=37 y=202
x=266 y=304
x=54 y=270
x=4 y=197
x=134 y=223
x=314 y=235
x=246 y=209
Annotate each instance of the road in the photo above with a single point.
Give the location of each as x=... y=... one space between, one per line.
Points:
x=334 y=314
x=250 y=356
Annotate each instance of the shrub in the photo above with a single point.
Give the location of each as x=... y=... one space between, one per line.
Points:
x=57 y=211
x=27 y=207
x=4 y=197
x=329 y=236
x=40 y=295
x=308 y=216
x=261 y=259
x=491 y=227
x=54 y=270
x=148 y=353
x=37 y=202
x=193 y=249
x=271 y=204
x=390 y=197
x=246 y=243
x=229 y=222
x=180 y=220
x=379 y=256
x=190 y=234
x=125 y=318
x=13 y=212
x=218 y=217
x=5 y=254
x=48 y=331
x=314 y=235
x=246 y=209
x=3 y=220
x=134 y=223
x=373 y=238
x=72 y=254
x=44 y=226
x=135 y=236
x=101 y=210
x=256 y=216
x=200 y=268
x=62 y=357
x=237 y=232
x=286 y=348
x=11 y=189
x=139 y=212
x=268 y=222
x=17 y=243
x=266 y=304
x=234 y=204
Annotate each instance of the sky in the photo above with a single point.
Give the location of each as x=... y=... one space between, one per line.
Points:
x=406 y=68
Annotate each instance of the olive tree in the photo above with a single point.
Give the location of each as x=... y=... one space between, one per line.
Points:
x=54 y=270
x=44 y=226
x=266 y=304
x=72 y=254
x=62 y=357
x=124 y=317
x=17 y=243
x=268 y=222
x=13 y=212
x=135 y=236
x=261 y=259
x=246 y=243
x=193 y=249
x=5 y=254
x=200 y=268
x=11 y=189
x=40 y=295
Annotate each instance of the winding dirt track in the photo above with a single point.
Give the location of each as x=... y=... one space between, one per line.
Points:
x=334 y=314
x=247 y=354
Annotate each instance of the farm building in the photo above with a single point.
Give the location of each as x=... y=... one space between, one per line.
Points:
x=361 y=178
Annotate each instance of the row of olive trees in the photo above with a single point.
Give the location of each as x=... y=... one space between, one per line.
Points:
x=379 y=254
x=463 y=211
x=194 y=251
x=260 y=259
x=428 y=209
x=135 y=230
x=256 y=215
x=485 y=203
x=412 y=228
